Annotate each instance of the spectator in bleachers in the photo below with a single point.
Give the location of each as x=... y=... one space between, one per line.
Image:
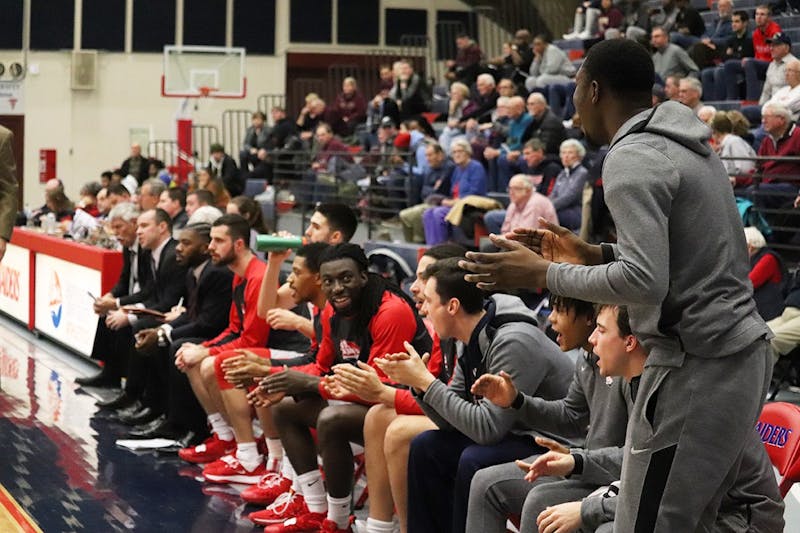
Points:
x=485 y=101
x=282 y=129
x=789 y=95
x=781 y=49
x=689 y=25
x=706 y=113
x=541 y=168
x=222 y=166
x=105 y=178
x=689 y=92
x=754 y=69
x=173 y=201
x=716 y=84
x=255 y=138
x=711 y=44
x=197 y=199
x=594 y=18
x=506 y=87
x=381 y=107
x=525 y=207
x=271 y=155
x=219 y=192
x=310 y=116
x=458 y=107
x=329 y=147
x=468 y=61
x=766 y=274
x=550 y=65
x=517 y=59
x=472 y=433
x=595 y=411
x=670 y=58
x=251 y=211
x=435 y=188
x=117 y=193
x=567 y=193
x=410 y=92
x=672 y=86
x=88 y=198
x=111 y=346
x=663 y=17
x=777 y=177
x=507 y=156
x=150 y=193
x=103 y=205
x=545 y=126
x=729 y=145
x=468 y=178
x=786 y=327
x=349 y=109
x=135 y=165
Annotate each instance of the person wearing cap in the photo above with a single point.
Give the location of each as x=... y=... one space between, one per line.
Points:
x=780 y=46
x=221 y=165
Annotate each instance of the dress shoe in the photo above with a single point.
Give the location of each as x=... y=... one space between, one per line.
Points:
x=143 y=416
x=160 y=428
x=100 y=380
x=117 y=402
x=128 y=411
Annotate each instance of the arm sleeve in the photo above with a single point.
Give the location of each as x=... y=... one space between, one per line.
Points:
x=597 y=510
x=482 y=421
x=568 y=417
x=640 y=275
x=687 y=62
x=601 y=466
x=9 y=187
x=764 y=270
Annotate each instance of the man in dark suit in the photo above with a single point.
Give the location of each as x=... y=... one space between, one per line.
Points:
x=222 y=166
x=154 y=231
x=173 y=201
x=111 y=345
x=8 y=188
x=208 y=293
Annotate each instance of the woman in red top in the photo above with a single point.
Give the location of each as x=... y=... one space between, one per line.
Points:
x=766 y=274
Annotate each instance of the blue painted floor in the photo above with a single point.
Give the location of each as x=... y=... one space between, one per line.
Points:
x=59 y=460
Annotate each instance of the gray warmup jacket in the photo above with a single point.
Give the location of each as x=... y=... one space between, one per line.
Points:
x=534 y=362
x=682 y=296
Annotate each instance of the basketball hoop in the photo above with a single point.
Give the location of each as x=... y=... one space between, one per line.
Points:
x=206 y=91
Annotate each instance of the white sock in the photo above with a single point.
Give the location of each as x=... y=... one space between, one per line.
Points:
x=220 y=427
x=275 y=451
x=288 y=472
x=379 y=526
x=339 y=510
x=248 y=456
x=313 y=491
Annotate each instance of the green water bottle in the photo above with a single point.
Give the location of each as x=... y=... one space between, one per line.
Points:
x=273 y=243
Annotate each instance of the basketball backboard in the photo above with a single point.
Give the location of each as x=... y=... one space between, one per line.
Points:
x=195 y=71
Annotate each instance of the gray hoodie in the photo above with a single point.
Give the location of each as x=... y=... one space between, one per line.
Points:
x=681 y=259
x=534 y=362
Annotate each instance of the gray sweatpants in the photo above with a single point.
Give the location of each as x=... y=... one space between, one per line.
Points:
x=500 y=491
x=691 y=441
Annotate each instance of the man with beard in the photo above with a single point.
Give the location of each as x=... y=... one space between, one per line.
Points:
x=370 y=318
x=690 y=449
x=208 y=288
x=228 y=247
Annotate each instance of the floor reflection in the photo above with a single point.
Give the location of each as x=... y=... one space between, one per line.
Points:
x=59 y=461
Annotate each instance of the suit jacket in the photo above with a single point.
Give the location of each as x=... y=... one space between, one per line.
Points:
x=229 y=173
x=8 y=184
x=207 y=301
x=180 y=221
x=165 y=290
x=144 y=274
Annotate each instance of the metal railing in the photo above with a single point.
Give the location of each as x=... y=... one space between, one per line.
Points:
x=234 y=123
x=203 y=136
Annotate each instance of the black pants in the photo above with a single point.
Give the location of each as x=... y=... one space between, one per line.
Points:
x=113 y=348
x=441 y=465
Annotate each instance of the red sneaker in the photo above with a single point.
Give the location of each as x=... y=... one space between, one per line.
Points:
x=228 y=469
x=329 y=526
x=285 y=506
x=268 y=488
x=310 y=522
x=209 y=451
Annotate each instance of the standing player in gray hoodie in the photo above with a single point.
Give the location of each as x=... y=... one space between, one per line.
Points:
x=680 y=266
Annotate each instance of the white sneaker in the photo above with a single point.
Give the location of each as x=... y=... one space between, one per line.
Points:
x=568 y=36
x=583 y=35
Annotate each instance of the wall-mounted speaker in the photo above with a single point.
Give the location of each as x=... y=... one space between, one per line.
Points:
x=84 y=70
